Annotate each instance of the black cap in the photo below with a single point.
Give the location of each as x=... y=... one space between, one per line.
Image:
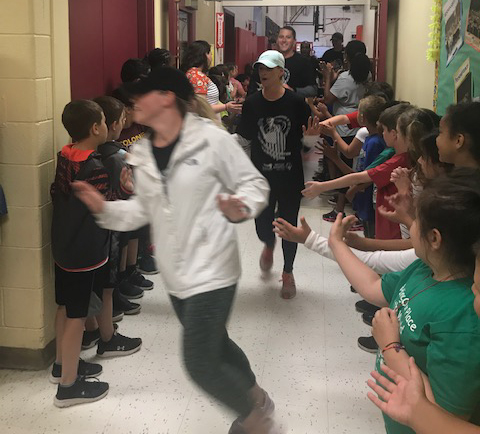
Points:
x=162 y=78
x=337 y=36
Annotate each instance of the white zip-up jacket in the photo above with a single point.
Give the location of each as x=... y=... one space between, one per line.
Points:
x=195 y=245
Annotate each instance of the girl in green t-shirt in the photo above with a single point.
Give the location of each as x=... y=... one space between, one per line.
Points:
x=428 y=308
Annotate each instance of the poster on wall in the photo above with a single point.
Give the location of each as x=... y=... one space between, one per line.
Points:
x=453 y=28
x=463 y=83
x=472 y=34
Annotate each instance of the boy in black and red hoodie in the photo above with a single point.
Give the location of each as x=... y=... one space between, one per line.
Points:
x=80 y=250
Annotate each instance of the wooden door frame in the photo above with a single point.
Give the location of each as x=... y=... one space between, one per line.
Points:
x=174 y=6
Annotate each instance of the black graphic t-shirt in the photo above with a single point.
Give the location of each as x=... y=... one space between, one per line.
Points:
x=275 y=131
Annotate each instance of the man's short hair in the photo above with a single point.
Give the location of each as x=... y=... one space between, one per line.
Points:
x=79 y=116
x=337 y=36
x=291 y=29
x=112 y=108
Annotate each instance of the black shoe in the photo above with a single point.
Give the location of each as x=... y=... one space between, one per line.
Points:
x=368 y=344
x=119 y=345
x=353 y=289
x=90 y=338
x=368 y=318
x=147 y=265
x=331 y=216
x=129 y=290
x=80 y=392
x=123 y=304
x=364 y=306
x=137 y=280
x=117 y=315
x=85 y=369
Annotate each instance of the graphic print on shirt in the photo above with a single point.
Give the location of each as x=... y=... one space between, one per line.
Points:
x=273 y=134
x=286 y=75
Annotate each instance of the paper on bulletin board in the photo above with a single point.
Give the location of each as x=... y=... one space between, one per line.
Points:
x=472 y=33
x=463 y=83
x=453 y=28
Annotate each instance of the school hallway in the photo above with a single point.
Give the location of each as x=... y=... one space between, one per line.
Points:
x=304 y=352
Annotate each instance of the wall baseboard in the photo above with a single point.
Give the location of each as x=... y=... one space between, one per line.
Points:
x=28 y=359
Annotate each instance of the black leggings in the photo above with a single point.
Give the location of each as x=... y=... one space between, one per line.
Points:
x=288 y=207
x=213 y=360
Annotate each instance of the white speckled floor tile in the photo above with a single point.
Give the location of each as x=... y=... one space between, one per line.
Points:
x=303 y=351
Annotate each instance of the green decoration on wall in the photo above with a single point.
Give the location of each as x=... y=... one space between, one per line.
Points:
x=459 y=64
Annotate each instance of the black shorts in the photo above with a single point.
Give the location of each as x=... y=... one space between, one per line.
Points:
x=73 y=290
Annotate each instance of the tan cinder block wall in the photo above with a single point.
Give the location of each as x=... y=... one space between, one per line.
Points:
x=33 y=52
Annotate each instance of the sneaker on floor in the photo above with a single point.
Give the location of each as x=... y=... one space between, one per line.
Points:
x=357 y=226
x=117 y=315
x=332 y=200
x=265 y=418
x=147 y=265
x=368 y=344
x=123 y=304
x=85 y=369
x=368 y=318
x=129 y=290
x=364 y=306
x=119 y=345
x=289 y=289
x=80 y=392
x=331 y=216
x=137 y=280
x=90 y=338
x=266 y=259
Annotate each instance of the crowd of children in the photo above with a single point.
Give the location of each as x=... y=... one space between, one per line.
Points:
x=414 y=186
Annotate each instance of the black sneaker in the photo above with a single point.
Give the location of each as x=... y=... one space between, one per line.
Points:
x=137 y=280
x=80 y=392
x=117 y=315
x=364 y=306
x=119 y=345
x=129 y=290
x=331 y=216
x=368 y=344
x=123 y=304
x=90 y=338
x=368 y=318
x=147 y=265
x=85 y=369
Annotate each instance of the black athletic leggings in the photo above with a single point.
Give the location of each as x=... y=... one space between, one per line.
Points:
x=288 y=206
x=211 y=358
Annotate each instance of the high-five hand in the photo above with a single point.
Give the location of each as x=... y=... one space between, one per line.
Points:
x=292 y=233
x=313 y=189
x=90 y=196
x=233 y=208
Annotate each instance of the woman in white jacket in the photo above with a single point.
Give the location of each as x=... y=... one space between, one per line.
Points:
x=192 y=181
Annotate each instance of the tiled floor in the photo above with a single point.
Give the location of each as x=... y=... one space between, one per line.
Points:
x=304 y=352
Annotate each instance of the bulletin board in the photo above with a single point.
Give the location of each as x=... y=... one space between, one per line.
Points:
x=459 y=63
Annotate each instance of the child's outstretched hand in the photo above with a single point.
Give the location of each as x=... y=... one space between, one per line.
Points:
x=90 y=196
x=403 y=209
x=401 y=178
x=313 y=189
x=340 y=228
x=233 y=208
x=313 y=127
x=292 y=233
x=399 y=398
